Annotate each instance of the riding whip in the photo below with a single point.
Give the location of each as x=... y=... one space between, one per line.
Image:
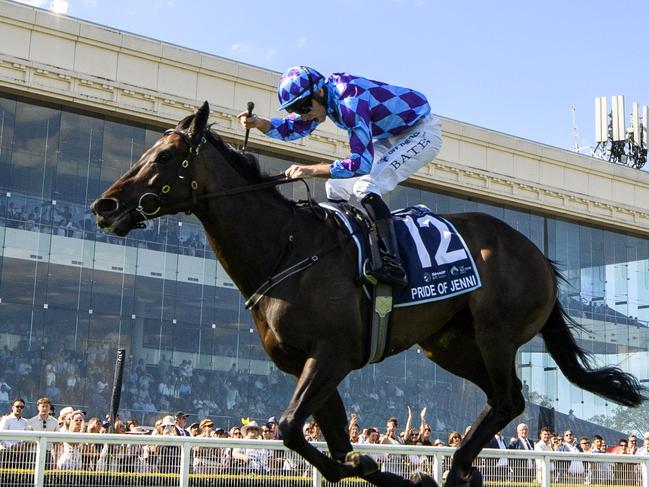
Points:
x=251 y=106
x=117 y=387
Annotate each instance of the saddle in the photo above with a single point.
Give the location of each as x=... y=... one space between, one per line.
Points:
x=355 y=221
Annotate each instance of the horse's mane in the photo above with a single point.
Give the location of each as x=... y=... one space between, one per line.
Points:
x=244 y=163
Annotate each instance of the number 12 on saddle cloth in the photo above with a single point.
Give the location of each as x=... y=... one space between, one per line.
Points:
x=436 y=258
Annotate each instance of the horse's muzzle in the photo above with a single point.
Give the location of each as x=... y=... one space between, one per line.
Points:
x=104 y=207
x=111 y=218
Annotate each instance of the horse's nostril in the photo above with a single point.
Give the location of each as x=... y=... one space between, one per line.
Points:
x=105 y=206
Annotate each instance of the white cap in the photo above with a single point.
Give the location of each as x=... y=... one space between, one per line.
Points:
x=66 y=410
x=168 y=421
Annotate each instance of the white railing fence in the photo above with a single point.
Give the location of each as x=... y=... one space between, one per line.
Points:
x=30 y=458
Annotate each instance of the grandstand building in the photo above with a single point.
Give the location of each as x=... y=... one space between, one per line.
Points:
x=79 y=102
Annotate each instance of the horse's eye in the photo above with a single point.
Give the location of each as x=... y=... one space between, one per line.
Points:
x=163 y=157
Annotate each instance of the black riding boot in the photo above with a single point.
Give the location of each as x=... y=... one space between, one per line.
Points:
x=391 y=272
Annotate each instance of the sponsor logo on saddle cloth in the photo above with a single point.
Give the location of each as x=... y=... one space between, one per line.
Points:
x=435 y=256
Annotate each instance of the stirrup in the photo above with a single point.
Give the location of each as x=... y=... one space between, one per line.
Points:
x=390 y=260
x=395 y=280
x=391 y=272
x=367 y=273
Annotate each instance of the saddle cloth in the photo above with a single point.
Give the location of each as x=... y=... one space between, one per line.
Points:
x=434 y=254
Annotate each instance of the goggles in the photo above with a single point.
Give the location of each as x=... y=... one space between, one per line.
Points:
x=301 y=107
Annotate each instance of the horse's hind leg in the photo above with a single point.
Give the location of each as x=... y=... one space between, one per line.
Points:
x=488 y=362
x=504 y=403
x=497 y=413
x=315 y=386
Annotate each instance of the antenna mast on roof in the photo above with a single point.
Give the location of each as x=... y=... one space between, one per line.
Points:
x=616 y=143
x=575 y=135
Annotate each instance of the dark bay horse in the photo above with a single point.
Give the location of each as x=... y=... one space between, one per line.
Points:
x=313 y=325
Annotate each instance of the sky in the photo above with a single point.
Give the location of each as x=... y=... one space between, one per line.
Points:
x=515 y=67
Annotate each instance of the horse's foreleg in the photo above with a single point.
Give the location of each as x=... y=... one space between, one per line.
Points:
x=314 y=389
x=332 y=419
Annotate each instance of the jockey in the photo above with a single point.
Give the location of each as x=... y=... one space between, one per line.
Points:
x=392 y=133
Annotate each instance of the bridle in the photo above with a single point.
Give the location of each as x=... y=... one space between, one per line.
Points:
x=185 y=173
x=161 y=198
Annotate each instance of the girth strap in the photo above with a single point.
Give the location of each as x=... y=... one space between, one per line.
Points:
x=274 y=280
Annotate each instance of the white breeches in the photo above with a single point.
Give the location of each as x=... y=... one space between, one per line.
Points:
x=395 y=159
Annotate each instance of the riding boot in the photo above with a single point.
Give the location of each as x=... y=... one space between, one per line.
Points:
x=391 y=270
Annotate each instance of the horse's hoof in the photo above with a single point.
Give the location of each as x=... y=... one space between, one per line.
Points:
x=473 y=478
x=363 y=464
x=353 y=458
x=420 y=479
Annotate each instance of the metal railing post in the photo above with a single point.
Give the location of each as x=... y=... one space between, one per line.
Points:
x=644 y=467
x=546 y=471
x=39 y=467
x=185 y=454
x=438 y=467
x=317 y=477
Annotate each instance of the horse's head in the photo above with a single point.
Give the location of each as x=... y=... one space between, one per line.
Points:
x=162 y=181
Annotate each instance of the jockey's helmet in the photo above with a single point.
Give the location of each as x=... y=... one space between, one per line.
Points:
x=298 y=83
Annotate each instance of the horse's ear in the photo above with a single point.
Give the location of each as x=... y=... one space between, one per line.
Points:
x=199 y=122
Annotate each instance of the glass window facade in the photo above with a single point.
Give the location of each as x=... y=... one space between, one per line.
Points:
x=70 y=295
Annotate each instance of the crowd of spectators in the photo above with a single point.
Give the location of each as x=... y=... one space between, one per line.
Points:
x=98 y=456
x=111 y=457
x=574 y=471
x=79 y=378
x=60 y=220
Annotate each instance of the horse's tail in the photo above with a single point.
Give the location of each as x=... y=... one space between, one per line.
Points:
x=575 y=363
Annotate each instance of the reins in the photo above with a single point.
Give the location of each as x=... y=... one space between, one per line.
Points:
x=272 y=181
x=194 y=151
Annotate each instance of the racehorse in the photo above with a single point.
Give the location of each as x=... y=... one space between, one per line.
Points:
x=314 y=324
